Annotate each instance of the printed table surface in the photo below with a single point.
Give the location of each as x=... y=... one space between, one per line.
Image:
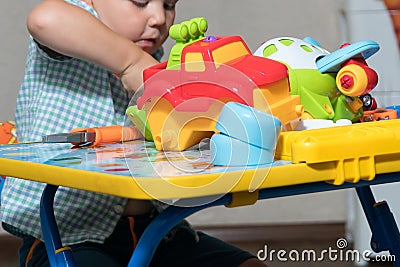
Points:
x=137 y=170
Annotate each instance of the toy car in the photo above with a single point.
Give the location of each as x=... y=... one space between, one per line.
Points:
x=183 y=99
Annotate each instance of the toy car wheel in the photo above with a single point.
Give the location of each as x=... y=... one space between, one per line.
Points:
x=352 y=80
x=369 y=103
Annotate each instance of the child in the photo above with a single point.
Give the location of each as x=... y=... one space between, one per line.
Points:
x=77 y=50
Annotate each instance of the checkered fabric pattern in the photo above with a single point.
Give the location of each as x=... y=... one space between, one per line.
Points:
x=56 y=96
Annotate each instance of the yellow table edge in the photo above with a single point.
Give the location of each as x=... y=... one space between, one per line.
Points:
x=182 y=186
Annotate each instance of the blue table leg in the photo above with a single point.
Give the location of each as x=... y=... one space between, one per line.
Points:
x=385 y=233
x=59 y=256
x=161 y=225
x=166 y=220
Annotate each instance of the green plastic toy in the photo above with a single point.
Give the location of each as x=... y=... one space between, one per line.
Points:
x=138 y=117
x=184 y=34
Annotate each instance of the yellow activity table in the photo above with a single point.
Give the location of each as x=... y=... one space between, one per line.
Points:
x=355 y=156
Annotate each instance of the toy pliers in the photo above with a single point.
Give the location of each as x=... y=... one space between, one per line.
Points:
x=95 y=136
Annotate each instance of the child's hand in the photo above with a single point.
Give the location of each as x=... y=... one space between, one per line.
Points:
x=132 y=76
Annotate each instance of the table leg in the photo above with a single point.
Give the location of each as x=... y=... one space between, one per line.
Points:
x=380 y=217
x=166 y=220
x=161 y=225
x=385 y=233
x=59 y=256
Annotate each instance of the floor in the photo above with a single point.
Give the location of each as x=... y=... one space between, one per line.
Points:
x=9 y=247
x=9 y=250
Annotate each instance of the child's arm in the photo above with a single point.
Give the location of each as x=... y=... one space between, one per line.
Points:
x=72 y=31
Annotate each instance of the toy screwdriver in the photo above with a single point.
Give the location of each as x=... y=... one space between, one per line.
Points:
x=95 y=136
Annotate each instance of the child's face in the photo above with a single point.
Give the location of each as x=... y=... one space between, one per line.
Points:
x=145 y=22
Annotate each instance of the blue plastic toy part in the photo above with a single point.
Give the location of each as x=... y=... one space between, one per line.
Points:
x=249 y=125
x=395 y=107
x=228 y=151
x=312 y=41
x=332 y=61
x=247 y=136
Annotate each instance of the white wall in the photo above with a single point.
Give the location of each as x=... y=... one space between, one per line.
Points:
x=262 y=19
x=256 y=21
x=13 y=47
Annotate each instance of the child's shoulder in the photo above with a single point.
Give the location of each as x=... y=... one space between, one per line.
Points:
x=83 y=5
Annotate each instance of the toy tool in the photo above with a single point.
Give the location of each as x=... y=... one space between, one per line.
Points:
x=95 y=136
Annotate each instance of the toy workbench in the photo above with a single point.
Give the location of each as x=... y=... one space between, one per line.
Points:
x=336 y=155
x=307 y=161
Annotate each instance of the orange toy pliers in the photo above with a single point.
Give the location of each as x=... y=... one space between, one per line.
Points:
x=95 y=136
